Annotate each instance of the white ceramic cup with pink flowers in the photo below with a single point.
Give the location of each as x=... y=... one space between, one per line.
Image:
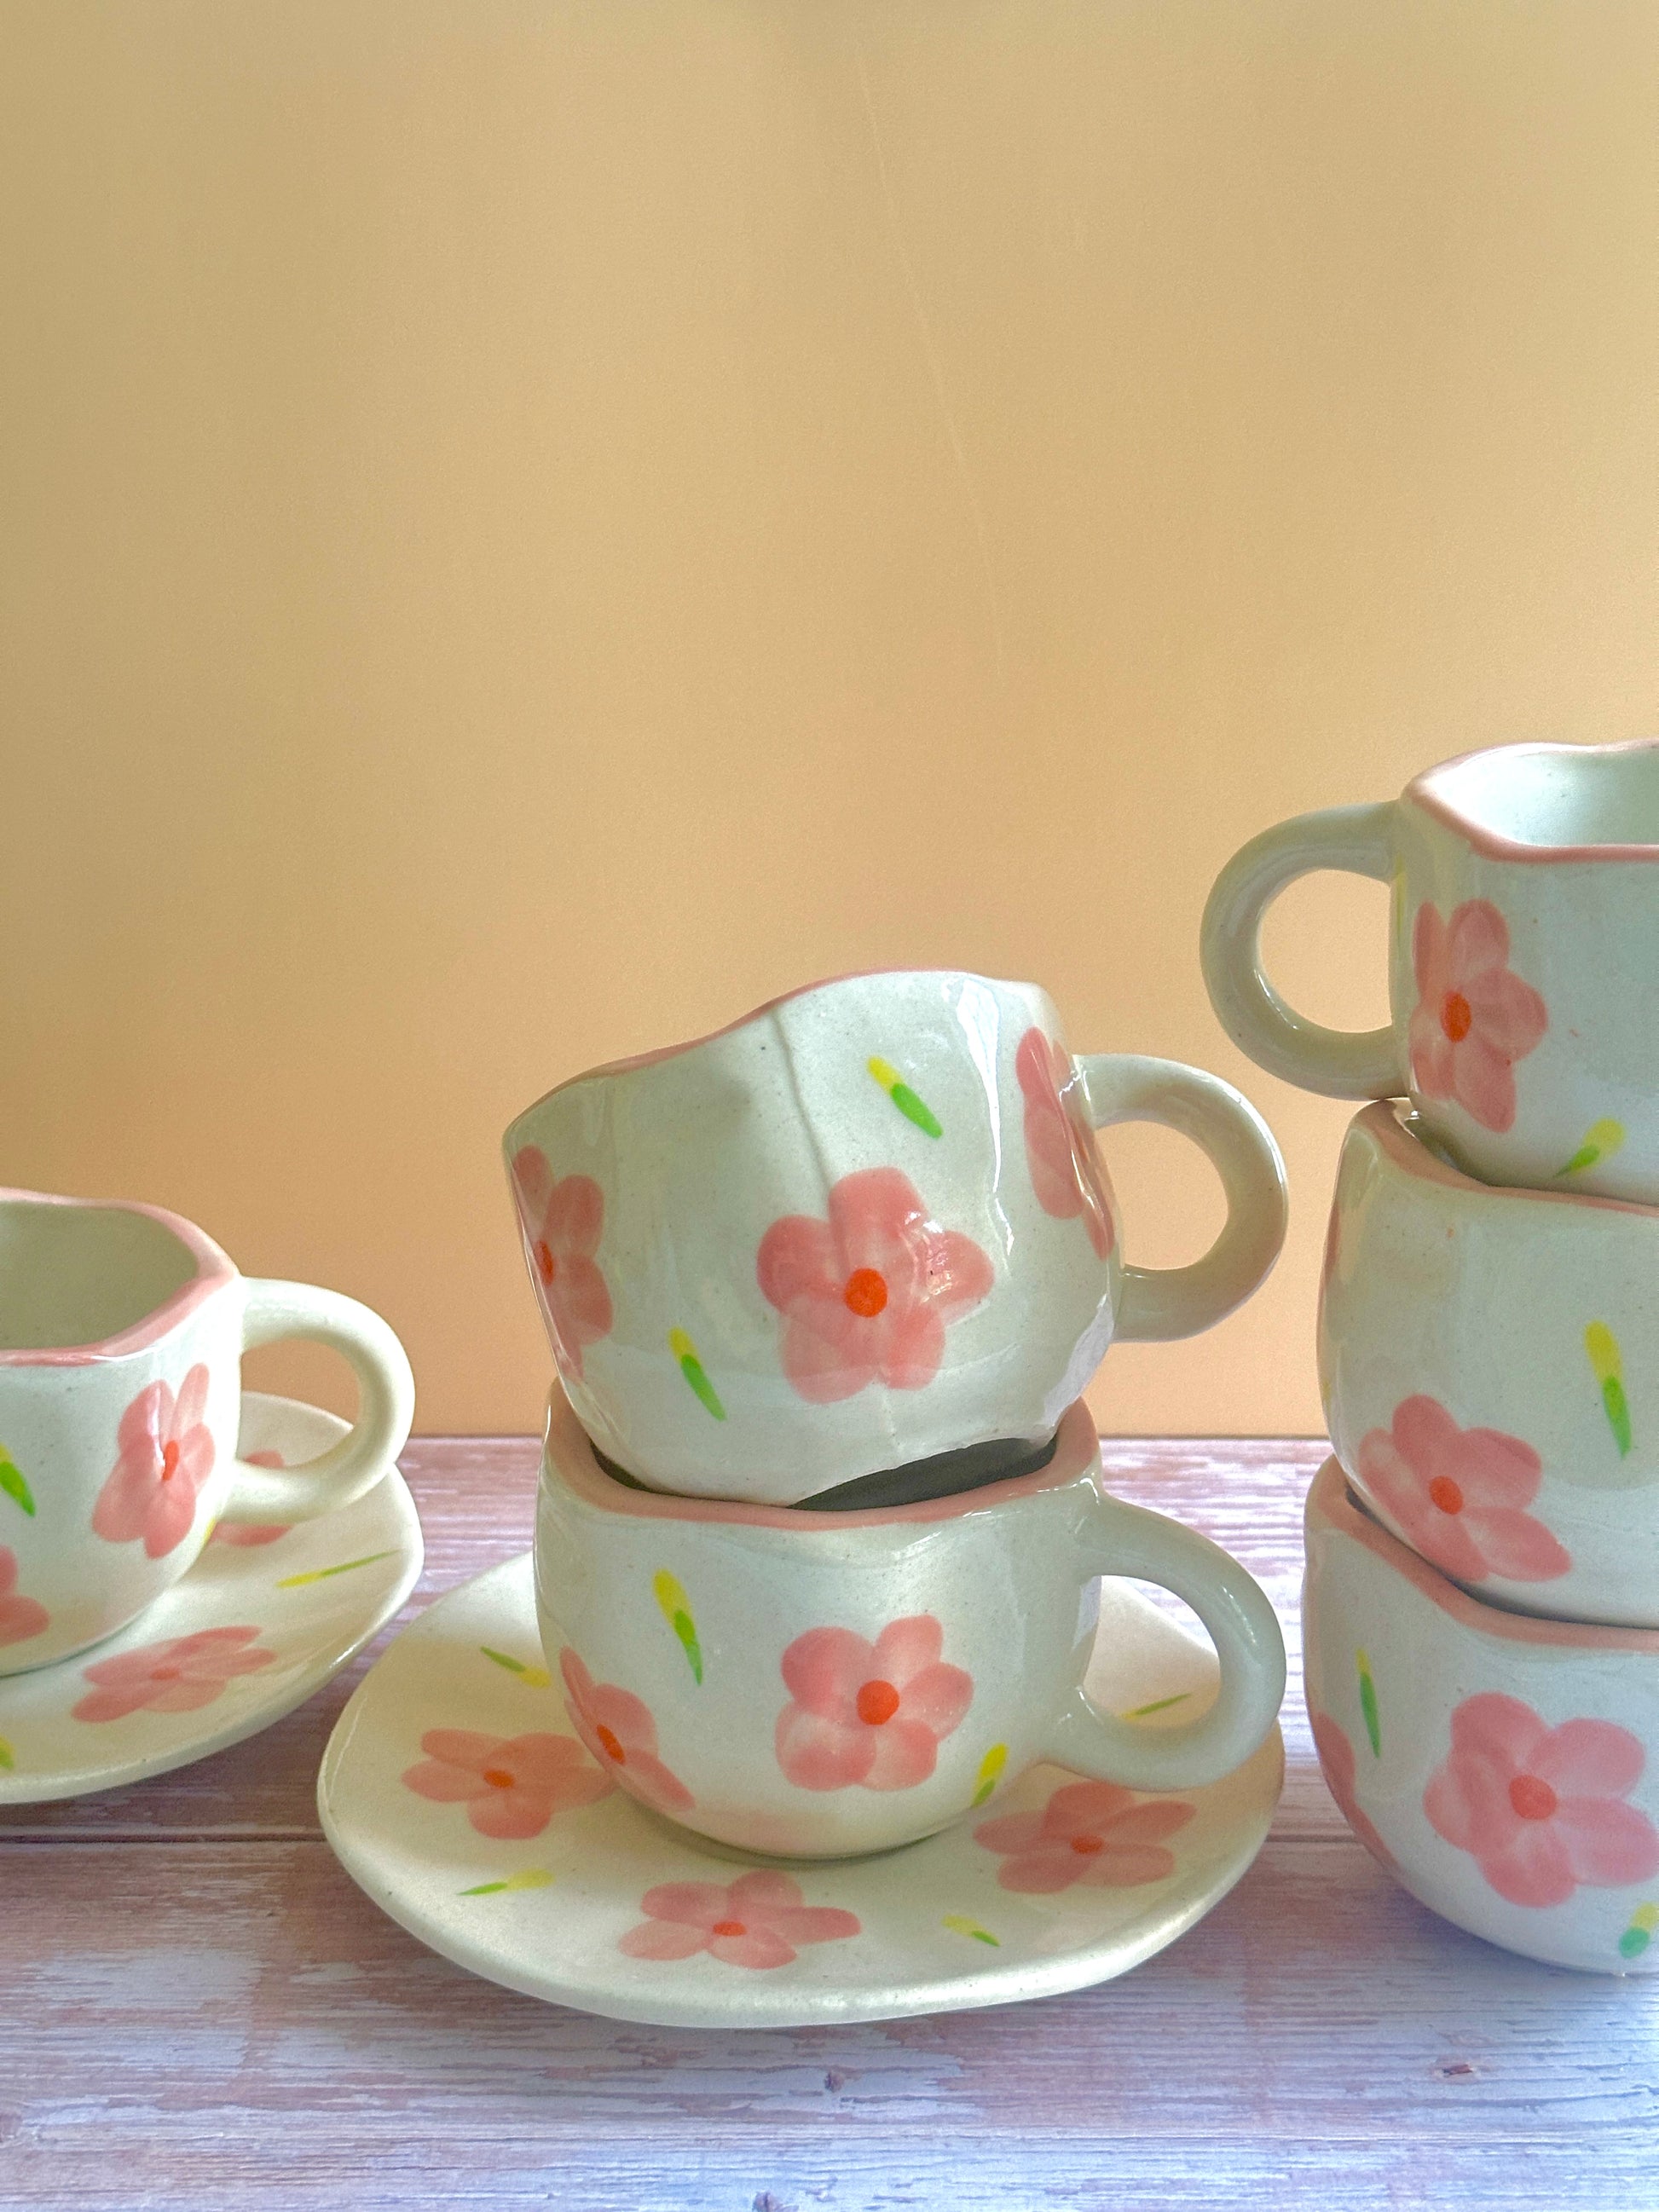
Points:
x=809 y=1683
x=863 y=1226
x=1504 y=1769
x=122 y=1329
x=1489 y=1362
x=1524 y=961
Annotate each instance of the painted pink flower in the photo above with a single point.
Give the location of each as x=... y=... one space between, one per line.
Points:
x=1337 y=1760
x=165 y=1455
x=1541 y=1809
x=173 y=1677
x=618 y=1729
x=1474 y=1017
x=866 y=1295
x=870 y=1714
x=511 y=1786
x=1458 y=1493
x=1060 y=1139
x=1094 y=1833
x=564 y=1219
x=758 y=1920
x=253 y=1532
x=20 y=1616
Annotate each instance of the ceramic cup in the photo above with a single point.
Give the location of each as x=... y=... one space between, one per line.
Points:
x=121 y=1331
x=1524 y=967
x=813 y=1685
x=1504 y=1769
x=1489 y=1360
x=864 y=1225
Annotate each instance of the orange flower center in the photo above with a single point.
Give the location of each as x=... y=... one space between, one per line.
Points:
x=1456 y=1018
x=729 y=1928
x=1086 y=1846
x=878 y=1702
x=866 y=1292
x=546 y=1265
x=1445 y=1493
x=612 y=1749
x=498 y=1777
x=1532 y=1797
x=169 y=1461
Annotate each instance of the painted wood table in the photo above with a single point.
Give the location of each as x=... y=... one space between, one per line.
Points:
x=200 y=2010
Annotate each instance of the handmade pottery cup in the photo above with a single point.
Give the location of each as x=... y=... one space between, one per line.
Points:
x=862 y=1226
x=1524 y=971
x=816 y=1684
x=1503 y=1769
x=1489 y=1360
x=121 y=1331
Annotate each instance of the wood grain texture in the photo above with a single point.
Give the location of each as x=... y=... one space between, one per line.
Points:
x=203 y=2012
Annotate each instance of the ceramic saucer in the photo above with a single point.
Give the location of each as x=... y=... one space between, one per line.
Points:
x=456 y=1795
x=265 y=1617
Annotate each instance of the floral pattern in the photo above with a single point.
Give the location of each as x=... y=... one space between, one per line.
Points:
x=251 y=1533
x=1541 y=1809
x=165 y=1455
x=618 y=1729
x=868 y=1715
x=1059 y=1138
x=563 y=1220
x=1091 y=1834
x=757 y=1920
x=1336 y=1757
x=511 y=1786
x=176 y=1676
x=20 y=1616
x=1474 y=1017
x=866 y=1296
x=1458 y=1495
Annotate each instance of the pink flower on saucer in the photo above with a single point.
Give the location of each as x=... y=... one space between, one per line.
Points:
x=1458 y=1493
x=253 y=1532
x=1060 y=1140
x=174 y=1677
x=20 y=1616
x=618 y=1729
x=166 y=1454
x=1336 y=1757
x=756 y=1920
x=563 y=1220
x=1541 y=1809
x=1474 y=1017
x=866 y=1295
x=873 y=1715
x=1092 y=1834
x=511 y=1786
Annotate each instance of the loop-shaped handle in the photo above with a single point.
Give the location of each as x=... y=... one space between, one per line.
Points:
x=1338 y=1063
x=1160 y=1303
x=385 y=1407
x=1127 y=1540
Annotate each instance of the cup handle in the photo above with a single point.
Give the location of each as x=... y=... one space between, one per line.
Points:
x=386 y=1410
x=1159 y=1303
x=1338 y=1063
x=1125 y=1540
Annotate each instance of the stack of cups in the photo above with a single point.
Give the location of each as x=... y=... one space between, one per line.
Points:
x=820 y=1510
x=1481 y=1610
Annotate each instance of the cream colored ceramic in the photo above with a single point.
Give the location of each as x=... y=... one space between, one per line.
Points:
x=1489 y=1360
x=122 y=1329
x=812 y=1684
x=456 y=1793
x=1505 y=1770
x=864 y=1225
x=1524 y=971
x=265 y=1617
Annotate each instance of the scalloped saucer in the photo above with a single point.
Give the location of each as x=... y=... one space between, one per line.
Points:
x=512 y=1857
x=263 y=1618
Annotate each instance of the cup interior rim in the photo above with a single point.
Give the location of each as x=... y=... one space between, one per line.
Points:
x=1386 y=1120
x=211 y=1268
x=1437 y=790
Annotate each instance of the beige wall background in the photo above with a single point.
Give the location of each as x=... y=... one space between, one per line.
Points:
x=528 y=528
